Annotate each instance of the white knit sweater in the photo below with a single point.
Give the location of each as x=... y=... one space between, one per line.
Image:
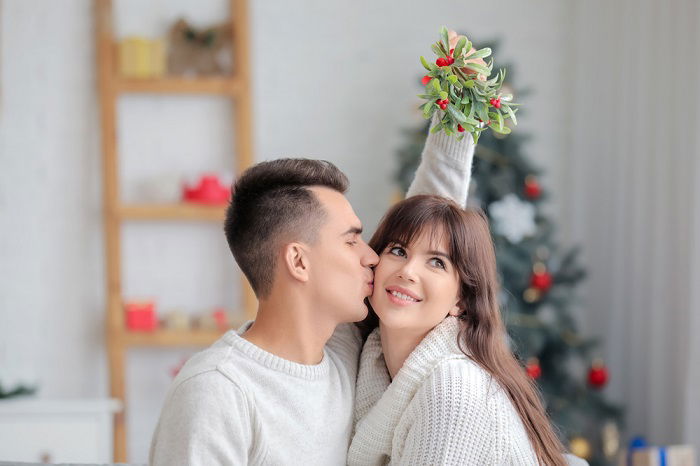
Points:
x=441 y=408
x=235 y=403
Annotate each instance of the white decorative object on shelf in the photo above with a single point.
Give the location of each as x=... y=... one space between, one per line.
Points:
x=57 y=431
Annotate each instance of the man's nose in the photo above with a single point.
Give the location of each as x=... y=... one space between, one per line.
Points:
x=370 y=258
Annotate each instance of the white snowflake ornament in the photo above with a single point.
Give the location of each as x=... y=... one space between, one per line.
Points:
x=513 y=218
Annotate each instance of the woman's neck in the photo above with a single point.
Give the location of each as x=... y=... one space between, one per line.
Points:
x=397 y=345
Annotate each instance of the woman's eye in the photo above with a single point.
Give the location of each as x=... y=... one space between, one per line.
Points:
x=397 y=251
x=352 y=243
x=435 y=262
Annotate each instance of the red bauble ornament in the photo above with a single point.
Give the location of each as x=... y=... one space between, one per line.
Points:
x=426 y=79
x=598 y=375
x=541 y=281
x=533 y=368
x=532 y=187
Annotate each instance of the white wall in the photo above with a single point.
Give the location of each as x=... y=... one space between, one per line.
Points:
x=331 y=80
x=633 y=177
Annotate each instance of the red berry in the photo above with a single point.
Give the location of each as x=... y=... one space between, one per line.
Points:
x=450 y=60
x=441 y=62
x=452 y=51
x=443 y=106
x=496 y=102
x=426 y=79
x=460 y=129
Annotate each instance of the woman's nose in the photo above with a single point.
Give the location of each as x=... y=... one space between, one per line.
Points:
x=407 y=272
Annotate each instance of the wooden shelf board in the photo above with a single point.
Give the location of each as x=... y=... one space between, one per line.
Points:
x=173 y=338
x=180 y=211
x=177 y=85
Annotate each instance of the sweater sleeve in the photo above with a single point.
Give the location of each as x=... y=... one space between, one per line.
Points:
x=205 y=421
x=453 y=423
x=445 y=167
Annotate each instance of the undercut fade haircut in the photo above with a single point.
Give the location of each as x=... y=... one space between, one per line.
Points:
x=272 y=205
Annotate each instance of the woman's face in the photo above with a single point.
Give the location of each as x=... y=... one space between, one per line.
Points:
x=415 y=286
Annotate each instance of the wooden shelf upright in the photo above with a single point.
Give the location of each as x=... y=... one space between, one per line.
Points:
x=111 y=86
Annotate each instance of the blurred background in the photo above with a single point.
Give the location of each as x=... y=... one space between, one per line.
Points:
x=119 y=127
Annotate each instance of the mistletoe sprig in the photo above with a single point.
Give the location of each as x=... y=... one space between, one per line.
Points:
x=471 y=105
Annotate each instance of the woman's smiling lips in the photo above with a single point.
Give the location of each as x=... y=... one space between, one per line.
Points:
x=401 y=296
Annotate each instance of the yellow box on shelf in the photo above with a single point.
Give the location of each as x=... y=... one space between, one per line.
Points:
x=141 y=58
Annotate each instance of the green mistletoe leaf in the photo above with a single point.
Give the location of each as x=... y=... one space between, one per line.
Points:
x=445 y=37
x=485 y=52
x=456 y=114
x=459 y=48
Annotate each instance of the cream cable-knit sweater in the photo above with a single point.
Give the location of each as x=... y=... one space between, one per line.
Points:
x=440 y=409
x=235 y=403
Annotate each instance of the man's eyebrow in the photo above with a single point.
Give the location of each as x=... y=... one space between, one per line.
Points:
x=353 y=231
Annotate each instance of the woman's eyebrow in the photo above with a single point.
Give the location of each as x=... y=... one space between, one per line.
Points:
x=438 y=253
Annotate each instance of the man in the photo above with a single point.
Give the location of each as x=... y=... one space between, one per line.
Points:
x=281 y=389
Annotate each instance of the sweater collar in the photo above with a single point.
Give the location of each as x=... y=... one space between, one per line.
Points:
x=380 y=402
x=274 y=362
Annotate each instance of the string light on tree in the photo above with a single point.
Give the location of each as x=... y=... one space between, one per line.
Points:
x=580 y=447
x=532 y=295
x=610 y=436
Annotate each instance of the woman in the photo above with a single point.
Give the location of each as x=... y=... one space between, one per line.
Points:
x=437 y=382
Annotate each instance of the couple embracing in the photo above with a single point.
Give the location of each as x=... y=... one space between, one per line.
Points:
x=387 y=352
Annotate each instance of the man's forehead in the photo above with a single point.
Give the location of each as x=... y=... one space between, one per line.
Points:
x=338 y=209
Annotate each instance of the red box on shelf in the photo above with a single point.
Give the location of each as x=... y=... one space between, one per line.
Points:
x=141 y=316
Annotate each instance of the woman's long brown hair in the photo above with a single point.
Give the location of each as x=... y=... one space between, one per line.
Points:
x=483 y=335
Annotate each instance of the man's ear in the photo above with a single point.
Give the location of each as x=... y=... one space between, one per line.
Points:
x=296 y=261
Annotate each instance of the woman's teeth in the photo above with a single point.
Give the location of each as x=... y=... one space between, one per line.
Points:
x=403 y=296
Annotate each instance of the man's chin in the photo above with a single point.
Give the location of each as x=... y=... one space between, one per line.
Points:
x=360 y=315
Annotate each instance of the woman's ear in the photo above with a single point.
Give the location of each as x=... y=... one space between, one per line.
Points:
x=296 y=261
x=455 y=311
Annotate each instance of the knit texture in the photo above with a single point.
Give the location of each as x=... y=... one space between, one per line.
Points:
x=235 y=403
x=441 y=408
x=445 y=167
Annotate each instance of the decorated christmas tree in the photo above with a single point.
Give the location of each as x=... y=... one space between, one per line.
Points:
x=539 y=287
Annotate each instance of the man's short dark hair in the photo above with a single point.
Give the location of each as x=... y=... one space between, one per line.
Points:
x=271 y=204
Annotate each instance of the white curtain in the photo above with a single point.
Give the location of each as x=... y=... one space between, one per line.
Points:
x=635 y=203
